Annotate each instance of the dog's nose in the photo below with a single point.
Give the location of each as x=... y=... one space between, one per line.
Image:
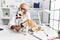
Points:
x=19 y=14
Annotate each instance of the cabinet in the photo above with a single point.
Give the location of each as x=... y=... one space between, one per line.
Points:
x=6 y=15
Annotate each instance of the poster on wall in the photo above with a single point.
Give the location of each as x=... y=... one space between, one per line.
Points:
x=36 y=5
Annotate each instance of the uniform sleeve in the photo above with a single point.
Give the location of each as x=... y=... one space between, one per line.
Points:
x=27 y=16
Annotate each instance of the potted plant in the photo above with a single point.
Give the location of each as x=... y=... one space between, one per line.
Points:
x=58 y=33
x=6 y=14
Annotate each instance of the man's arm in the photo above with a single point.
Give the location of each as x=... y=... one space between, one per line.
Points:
x=25 y=21
x=27 y=18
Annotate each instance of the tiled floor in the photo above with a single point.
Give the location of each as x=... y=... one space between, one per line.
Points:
x=7 y=34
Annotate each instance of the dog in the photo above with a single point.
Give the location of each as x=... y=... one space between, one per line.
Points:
x=17 y=27
x=29 y=23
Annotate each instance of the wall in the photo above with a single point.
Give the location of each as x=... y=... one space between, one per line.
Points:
x=44 y=5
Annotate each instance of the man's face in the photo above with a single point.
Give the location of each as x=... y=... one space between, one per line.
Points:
x=23 y=8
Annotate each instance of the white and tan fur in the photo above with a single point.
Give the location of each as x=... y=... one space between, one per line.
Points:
x=31 y=24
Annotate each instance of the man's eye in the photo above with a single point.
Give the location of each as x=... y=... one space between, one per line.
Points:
x=23 y=9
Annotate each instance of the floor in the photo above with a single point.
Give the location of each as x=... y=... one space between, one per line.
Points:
x=8 y=34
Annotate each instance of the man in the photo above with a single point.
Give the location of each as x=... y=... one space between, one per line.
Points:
x=24 y=17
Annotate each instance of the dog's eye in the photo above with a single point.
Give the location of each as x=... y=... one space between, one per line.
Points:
x=19 y=14
x=16 y=15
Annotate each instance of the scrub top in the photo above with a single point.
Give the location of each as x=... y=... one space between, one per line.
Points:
x=14 y=21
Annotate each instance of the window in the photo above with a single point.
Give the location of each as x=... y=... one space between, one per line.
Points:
x=55 y=15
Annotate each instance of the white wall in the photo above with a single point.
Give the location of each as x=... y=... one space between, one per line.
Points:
x=45 y=14
x=44 y=5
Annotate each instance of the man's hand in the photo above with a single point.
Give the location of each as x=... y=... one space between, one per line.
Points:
x=25 y=21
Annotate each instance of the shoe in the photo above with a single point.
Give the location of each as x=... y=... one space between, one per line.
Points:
x=1 y=29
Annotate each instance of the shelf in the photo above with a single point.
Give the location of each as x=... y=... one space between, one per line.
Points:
x=5 y=20
x=5 y=7
x=34 y=9
x=5 y=17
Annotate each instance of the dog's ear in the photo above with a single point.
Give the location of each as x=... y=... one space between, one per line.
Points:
x=20 y=13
